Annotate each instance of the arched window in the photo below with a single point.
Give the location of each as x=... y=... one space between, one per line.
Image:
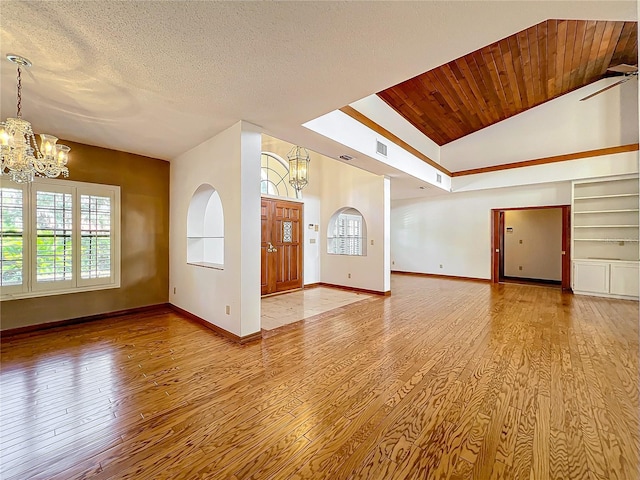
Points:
x=205 y=228
x=347 y=233
x=274 y=177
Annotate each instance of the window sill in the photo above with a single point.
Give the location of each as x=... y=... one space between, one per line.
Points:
x=213 y=266
x=50 y=293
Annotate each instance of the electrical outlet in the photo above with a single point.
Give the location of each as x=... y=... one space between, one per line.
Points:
x=440 y=265
x=227 y=310
x=520 y=267
x=371 y=242
x=520 y=242
x=348 y=275
x=174 y=290
x=393 y=262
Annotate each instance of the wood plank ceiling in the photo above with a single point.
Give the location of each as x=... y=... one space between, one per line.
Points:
x=512 y=75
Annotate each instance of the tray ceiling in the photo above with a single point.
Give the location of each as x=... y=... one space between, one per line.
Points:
x=512 y=75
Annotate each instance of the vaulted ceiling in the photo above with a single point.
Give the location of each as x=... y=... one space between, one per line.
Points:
x=512 y=75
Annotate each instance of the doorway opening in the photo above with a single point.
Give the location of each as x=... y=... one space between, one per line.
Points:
x=531 y=245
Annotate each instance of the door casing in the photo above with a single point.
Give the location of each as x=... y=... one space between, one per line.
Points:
x=497 y=243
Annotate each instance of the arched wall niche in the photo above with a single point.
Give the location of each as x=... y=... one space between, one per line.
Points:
x=205 y=228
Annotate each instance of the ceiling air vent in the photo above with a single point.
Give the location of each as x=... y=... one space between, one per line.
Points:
x=381 y=148
x=438 y=178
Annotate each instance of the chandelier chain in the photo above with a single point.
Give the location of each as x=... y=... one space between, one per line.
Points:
x=19 y=114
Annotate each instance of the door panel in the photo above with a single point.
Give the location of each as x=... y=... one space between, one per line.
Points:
x=288 y=229
x=281 y=229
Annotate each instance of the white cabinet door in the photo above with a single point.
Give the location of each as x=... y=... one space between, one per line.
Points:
x=624 y=279
x=591 y=277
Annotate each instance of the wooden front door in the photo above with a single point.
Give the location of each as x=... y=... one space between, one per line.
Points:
x=281 y=247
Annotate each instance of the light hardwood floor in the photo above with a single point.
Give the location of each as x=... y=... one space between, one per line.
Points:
x=444 y=379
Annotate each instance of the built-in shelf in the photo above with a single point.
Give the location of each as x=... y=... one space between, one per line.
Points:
x=214 y=266
x=611 y=240
x=617 y=195
x=605 y=226
x=624 y=210
x=606 y=266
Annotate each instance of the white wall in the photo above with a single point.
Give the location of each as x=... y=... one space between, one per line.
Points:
x=454 y=230
x=230 y=162
x=533 y=243
x=345 y=186
x=312 y=257
x=563 y=125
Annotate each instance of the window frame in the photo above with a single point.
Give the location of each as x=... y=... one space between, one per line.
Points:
x=30 y=287
x=268 y=174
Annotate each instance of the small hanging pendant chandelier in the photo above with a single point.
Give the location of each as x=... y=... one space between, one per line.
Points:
x=298 y=167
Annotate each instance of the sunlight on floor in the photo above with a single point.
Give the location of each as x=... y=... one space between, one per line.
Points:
x=291 y=307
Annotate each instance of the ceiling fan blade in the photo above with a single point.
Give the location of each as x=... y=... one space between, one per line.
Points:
x=623 y=68
x=626 y=79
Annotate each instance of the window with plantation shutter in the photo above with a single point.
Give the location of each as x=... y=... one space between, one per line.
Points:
x=59 y=236
x=347 y=233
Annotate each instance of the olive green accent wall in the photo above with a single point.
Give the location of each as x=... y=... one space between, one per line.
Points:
x=144 y=184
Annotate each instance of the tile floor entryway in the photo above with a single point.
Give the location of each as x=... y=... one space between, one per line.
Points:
x=287 y=308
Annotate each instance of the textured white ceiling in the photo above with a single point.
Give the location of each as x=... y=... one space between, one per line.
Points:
x=157 y=78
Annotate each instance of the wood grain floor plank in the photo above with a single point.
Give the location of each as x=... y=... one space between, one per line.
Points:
x=541 y=461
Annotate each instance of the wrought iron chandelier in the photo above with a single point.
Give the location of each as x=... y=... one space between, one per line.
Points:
x=298 y=167
x=21 y=159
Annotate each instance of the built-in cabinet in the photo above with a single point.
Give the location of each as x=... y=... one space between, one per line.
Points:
x=605 y=240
